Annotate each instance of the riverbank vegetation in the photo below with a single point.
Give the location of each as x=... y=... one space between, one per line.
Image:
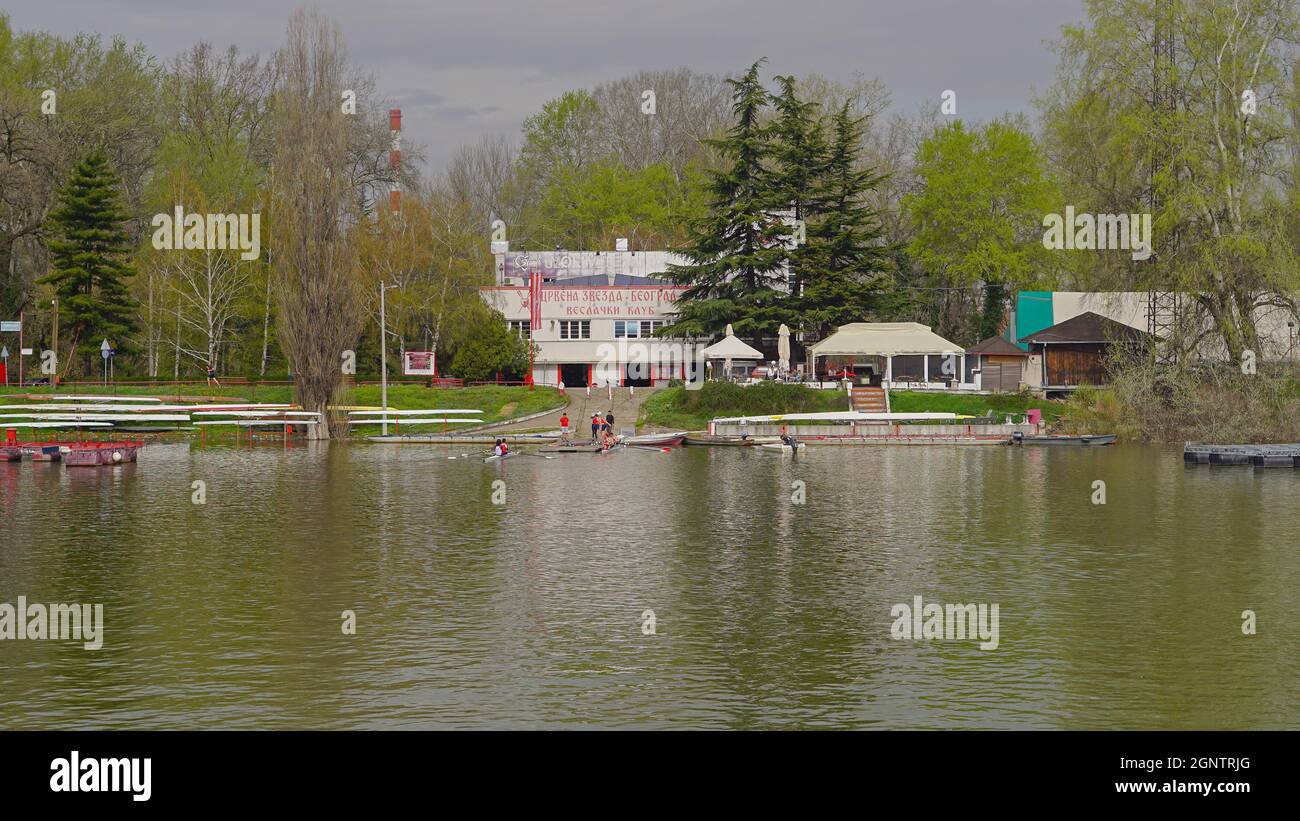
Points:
x=1204 y=403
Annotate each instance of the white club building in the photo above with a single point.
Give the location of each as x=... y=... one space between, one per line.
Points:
x=600 y=310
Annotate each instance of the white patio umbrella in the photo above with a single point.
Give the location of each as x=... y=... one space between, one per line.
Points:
x=726 y=364
x=783 y=347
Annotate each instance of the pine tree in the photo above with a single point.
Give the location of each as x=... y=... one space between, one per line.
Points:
x=847 y=278
x=737 y=251
x=801 y=156
x=89 y=247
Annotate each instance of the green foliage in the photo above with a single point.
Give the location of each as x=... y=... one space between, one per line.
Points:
x=89 y=250
x=737 y=251
x=750 y=266
x=592 y=207
x=490 y=348
x=849 y=262
x=561 y=136
x=980 y=208
x=1174 y=136
x=106 y=97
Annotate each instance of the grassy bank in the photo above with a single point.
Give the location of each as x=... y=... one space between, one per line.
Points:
x=691 y=410
x=994 y=404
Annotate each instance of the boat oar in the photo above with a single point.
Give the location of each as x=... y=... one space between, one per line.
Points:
x=480 y=454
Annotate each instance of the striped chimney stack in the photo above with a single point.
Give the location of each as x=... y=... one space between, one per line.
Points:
x=395 y=155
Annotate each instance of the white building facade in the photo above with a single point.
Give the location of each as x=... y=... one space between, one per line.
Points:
x=599 y=313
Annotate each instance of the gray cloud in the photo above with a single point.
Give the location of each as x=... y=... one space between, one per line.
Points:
x=464 y=70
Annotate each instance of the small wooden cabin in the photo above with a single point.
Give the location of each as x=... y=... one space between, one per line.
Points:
x=1001 y=364
x=1073 y=352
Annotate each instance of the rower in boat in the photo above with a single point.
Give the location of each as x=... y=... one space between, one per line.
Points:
x=786 y=438
x=500 y=448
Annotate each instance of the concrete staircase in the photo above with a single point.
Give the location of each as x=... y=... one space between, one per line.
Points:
x=625 y=405
x=869 y=400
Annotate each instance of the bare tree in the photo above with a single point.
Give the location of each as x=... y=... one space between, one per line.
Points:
x=315 y=207
x=688 y=107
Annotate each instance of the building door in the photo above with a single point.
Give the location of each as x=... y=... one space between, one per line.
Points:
x=574 y=375
x=637 y=375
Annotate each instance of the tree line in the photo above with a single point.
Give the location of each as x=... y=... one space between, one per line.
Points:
x=803 y=201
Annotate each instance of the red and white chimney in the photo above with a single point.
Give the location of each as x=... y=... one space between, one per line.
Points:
x=395 y=155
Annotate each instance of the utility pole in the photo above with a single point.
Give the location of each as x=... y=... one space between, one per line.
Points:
x=383 y=364
x=383 y=359
x=54 y=377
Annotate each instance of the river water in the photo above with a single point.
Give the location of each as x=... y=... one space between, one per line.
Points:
x=767 y=613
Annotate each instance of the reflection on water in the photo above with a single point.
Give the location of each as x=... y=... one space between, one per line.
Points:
x=768 y=613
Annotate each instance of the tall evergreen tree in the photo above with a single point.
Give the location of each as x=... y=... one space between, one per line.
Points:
x=801 y=160
x=848 y=263
x=89 y=248
x=737 y=251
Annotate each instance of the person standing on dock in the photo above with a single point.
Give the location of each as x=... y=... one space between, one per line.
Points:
x=595 y=426
x=609 y=421
x=564 y=429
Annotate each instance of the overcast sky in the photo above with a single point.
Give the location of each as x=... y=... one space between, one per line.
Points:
x=460 y=70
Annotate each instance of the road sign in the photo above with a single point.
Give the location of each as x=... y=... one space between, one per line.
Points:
x=4 y=354
x=7 y=327
x=105 y=349
x=27 y=351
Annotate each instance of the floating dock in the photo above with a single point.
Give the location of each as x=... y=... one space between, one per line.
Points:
x=1265 y=456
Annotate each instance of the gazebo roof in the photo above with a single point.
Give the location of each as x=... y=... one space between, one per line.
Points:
x=884 y=339
x=997 y=346
x=731 y=348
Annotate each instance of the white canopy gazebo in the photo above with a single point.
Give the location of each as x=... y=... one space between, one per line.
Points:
x=730 y=348
x=888 y=340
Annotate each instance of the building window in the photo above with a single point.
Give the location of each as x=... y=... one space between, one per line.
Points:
x=522 y=327
x=648 y=327
x=575 y=329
